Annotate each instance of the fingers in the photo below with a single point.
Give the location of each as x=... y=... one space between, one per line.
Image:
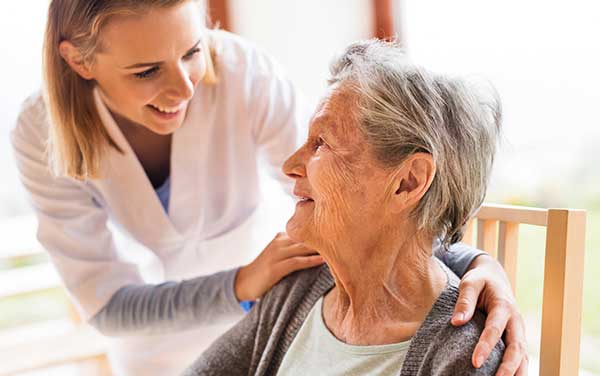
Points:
x=510 y=366
x=293 y=264
x=296 y=249
x=514 y=361
x=495 y=323
x=282 y=238
x=469 y=291
x=523 y=369
x=282 y=246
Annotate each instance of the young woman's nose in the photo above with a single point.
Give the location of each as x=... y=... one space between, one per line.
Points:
x=181 y=84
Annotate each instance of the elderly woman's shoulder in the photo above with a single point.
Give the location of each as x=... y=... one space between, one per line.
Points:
x=303 y=287
x=454 y=346
x=446 y=349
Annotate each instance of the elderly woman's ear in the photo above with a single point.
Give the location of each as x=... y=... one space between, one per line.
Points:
x=412 y=181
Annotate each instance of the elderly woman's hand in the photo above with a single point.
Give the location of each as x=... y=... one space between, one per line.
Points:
x=485 y=285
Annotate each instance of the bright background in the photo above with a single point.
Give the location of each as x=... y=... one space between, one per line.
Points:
x=542 y=56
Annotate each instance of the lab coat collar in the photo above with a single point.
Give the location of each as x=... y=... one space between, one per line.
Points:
x=124 y=178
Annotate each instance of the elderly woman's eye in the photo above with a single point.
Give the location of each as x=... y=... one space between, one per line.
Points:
x=319 y=142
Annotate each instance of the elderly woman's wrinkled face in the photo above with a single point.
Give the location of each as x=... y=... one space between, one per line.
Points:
x=340 y=186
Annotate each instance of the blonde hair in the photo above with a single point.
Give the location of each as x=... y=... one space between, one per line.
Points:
x=77 y=137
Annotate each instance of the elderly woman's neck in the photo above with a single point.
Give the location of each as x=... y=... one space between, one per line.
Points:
x=382 y=292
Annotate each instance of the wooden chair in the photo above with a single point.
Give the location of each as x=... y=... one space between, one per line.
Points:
x=497 y=230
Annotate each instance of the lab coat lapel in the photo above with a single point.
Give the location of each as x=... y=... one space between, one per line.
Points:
x=129 y=193
x=188 y=178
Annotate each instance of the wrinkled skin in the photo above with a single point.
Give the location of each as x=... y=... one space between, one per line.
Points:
x=339 y=165
x=332 y=168
x=386 y=281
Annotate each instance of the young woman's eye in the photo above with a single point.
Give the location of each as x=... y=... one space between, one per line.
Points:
x=191 y=54
x=147 y=73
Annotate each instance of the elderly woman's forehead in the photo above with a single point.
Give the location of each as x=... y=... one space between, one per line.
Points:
x=339 y=97
x=336 y=110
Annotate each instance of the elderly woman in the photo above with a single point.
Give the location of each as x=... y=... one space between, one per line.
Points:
x=396 y=159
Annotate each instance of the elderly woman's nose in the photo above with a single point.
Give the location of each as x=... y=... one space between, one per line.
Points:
x=294 y=166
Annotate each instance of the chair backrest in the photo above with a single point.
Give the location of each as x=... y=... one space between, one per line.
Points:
x=497 y=228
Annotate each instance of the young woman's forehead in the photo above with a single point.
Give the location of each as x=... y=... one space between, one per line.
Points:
x=160 y=31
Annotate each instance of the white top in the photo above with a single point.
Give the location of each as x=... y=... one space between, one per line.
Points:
x=252 y=110
x=316 y=351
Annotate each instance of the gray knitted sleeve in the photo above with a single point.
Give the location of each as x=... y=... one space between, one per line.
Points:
x=450 y=352
x=458 y=257
x=169 y=306
x=439 y=348
x=233 y=352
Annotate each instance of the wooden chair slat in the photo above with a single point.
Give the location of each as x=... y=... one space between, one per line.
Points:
x=486 y=236
x=517 y=214
x=563 y=274
x=508 y=240
x=468 y=235
x=563 y=290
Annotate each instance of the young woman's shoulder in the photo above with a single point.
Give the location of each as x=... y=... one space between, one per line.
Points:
x=32 y=122
x=259 y=92
x=235 y=55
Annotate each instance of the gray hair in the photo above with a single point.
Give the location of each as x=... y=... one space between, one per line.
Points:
x=404 y=109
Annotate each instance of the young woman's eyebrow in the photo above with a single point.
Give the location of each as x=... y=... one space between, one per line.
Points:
x=151 y=64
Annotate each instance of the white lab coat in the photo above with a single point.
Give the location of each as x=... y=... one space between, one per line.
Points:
x=212 y=221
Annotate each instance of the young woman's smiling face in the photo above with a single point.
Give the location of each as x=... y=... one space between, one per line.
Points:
x=149 y=65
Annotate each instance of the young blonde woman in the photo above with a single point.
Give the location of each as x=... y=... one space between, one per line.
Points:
x=150 y=121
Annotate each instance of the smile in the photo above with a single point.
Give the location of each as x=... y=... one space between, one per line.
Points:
x=167 y=110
